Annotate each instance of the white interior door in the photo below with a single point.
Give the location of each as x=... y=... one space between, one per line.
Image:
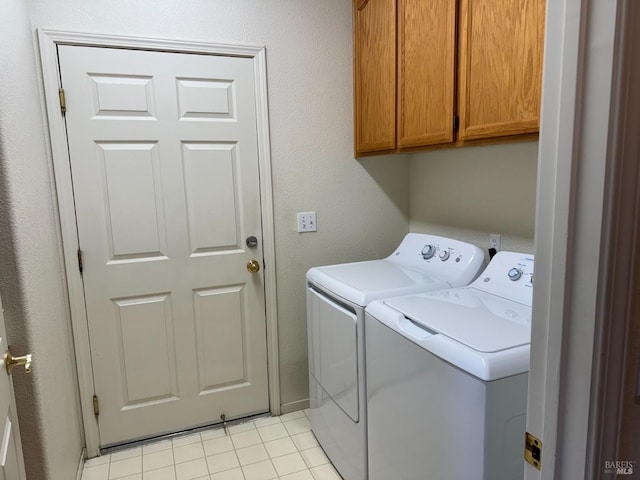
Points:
x=11 y=459
x=164 y=160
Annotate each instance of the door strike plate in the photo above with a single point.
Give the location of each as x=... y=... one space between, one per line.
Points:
x=532 y=450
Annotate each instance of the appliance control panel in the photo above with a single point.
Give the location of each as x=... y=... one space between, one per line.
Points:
x=508 y=275
x=429 y=251
x=451 y=260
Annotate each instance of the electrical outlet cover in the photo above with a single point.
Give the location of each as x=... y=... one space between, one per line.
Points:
x=494 y=241
x=307 y=222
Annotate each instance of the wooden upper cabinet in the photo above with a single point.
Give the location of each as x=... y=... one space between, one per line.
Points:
x=500 y=67
x=426 y=72
x=374 y=40
x=420 y=63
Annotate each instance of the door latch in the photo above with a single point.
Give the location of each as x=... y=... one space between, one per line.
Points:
x=532 y=450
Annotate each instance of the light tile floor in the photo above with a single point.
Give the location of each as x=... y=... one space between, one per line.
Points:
x=266 y=448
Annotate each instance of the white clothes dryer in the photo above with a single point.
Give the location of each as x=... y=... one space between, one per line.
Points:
x=447 y=376
x=336 y=298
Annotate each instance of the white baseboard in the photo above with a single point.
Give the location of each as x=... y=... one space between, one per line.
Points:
x=294 y=406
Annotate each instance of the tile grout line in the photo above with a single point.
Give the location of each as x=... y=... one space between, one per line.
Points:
x=252 y=426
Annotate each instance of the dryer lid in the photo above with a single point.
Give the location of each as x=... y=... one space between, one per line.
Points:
x=481 y=321
x=363 y=282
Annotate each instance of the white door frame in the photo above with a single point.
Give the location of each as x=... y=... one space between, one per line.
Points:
x=617 y=318
x=49 y=41
x=556 y=152
x=577 y=155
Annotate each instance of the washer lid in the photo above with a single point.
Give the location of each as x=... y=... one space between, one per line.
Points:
x=479 y=320
x=363 y=282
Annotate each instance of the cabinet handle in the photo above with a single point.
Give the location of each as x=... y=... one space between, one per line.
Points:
x=362 y=4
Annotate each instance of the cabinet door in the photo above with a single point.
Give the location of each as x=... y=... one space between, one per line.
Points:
x=374 y=40
x=500 y=67
x=426 y=71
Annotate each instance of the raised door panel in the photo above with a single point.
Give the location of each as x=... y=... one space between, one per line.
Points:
x=147 y=361
x=374 y=75
x=426 y=72
x=500 y=67
x=222 y=346
x=212 y=190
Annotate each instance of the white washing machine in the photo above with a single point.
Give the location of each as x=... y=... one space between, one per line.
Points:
x=447 y=378
x=336 y=297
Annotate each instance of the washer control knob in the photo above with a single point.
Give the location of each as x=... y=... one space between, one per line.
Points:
x=428 y=251
x=515 y=274
x=444 y=256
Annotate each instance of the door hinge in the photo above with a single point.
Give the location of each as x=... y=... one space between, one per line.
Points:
x=456 y=122
x=532 y=450
x=80 y=266
x=63 y=101
x=96 y=406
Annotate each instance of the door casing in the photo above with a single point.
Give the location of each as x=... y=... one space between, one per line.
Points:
x=49 y=41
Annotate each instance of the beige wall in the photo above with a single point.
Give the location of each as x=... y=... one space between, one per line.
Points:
x=362 y=206
x=31 y=278
x=468 y=193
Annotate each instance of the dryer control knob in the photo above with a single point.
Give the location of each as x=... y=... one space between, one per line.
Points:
x=515 y=274
x=444 y=256
x=428 y=251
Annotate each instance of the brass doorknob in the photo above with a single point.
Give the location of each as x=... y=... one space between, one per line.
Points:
x=10 y=361
x=253 y=266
